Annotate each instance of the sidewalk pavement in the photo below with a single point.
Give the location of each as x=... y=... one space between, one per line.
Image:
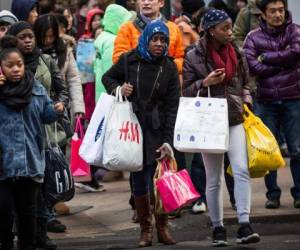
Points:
x=111 y=215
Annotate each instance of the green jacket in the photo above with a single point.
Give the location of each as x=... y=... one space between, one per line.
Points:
x=247 y=20
x=115 y=15
x=48 y=74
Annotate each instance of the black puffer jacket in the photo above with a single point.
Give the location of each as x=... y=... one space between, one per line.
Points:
x=197 y=66
x=155 y=98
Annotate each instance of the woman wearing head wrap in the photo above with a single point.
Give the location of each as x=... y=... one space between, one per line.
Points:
x=217 y=64
x=152 y=86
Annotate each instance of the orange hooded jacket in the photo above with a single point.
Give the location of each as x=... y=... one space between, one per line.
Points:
x=129 y=33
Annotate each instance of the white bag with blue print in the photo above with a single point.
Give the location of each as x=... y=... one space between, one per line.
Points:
x=202 y=125
x=91 y=149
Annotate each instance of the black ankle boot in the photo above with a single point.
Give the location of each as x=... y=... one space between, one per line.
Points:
x=42 y=239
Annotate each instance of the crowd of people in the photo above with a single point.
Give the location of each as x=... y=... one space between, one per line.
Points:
x=248 y=54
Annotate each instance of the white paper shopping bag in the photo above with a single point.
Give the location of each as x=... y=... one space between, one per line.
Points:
x=202 y=125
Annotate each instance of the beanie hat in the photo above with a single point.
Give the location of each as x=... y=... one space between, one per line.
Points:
x=16 y=28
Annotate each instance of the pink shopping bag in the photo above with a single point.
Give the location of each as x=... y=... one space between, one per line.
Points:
x=80 y=169
x=175 y=188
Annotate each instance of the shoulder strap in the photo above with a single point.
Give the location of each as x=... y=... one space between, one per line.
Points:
x=47 y=62
x=126 y=67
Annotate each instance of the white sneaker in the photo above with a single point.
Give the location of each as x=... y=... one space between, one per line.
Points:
x=199 y=207
x=85 y=187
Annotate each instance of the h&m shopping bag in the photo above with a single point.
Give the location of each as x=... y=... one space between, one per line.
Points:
x=175 y=188
x=202 y=125
x=123 y=142
x=85 y=57
x=263 y=150
x=91 y=149
x=80 y=169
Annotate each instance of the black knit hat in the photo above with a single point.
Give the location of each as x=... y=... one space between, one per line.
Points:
x=16 y=28
x=191 y=6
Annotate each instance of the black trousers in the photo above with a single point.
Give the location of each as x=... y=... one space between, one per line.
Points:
x=19 y=195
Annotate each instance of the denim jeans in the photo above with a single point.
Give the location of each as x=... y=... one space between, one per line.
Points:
x=142 y=181
x=199 y=178
x=43 y=210
x=285 y=114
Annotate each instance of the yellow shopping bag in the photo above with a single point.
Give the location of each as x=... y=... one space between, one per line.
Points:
x=263 y=150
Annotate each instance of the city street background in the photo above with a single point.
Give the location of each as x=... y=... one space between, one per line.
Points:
x=107 y=225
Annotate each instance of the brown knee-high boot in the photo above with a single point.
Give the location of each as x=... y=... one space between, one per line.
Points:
x=163 y=233
x=144 y=214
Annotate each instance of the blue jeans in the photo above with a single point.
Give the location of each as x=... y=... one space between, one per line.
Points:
x=142 y=181
x=285 y=114
x=43 y=211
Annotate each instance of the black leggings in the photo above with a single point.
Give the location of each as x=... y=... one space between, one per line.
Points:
x=21 y=195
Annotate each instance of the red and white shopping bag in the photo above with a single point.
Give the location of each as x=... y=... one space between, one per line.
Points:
x=123 y=138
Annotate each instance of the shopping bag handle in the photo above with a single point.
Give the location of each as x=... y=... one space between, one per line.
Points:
x=79 y=128
x=247 y=111
x=119 y=96
x=208 y=92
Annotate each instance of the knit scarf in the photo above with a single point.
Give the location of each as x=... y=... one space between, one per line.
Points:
x=17 y=95
x=32 y=60
x=224 y=58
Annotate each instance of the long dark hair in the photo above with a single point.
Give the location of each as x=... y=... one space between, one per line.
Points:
x=41 y=26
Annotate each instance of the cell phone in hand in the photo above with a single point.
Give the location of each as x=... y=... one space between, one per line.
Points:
x=219 y=71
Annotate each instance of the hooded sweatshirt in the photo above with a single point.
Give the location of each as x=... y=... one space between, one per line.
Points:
x=115 y=15
x=22 y=8
x=89 y=19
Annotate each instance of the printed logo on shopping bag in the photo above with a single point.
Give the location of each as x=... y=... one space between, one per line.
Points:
x=130 y=132
x=60 y=183
x=197 y=103
x=99 y=130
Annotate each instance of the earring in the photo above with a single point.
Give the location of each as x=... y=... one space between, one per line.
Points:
x=211 y=34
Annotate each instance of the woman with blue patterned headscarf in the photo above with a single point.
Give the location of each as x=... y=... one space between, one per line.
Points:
x=150 y=80
x=154 y=28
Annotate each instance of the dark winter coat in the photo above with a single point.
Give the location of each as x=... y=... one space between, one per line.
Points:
x=156 y=112
x=278 y=76
x=198 y=65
